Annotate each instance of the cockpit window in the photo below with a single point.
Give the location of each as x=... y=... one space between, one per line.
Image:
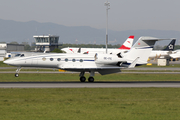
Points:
x=17 y=55
x=22 y=55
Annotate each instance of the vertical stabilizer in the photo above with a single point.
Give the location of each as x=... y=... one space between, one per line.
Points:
x=171 y=45
x=127 y=44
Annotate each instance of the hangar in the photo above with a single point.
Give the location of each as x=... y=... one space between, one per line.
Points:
x=6 y=48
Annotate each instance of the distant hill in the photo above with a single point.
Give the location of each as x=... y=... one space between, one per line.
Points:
x=24 y=31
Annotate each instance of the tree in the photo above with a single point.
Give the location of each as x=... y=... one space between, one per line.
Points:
x=27 y=47
x=56 y=50
x=14 y=42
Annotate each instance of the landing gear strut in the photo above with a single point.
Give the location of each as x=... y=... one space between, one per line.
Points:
x=17 y=72
x=82 y=78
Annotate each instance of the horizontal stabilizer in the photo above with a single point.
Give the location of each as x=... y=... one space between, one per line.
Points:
x=133 y=64
x=147 y=41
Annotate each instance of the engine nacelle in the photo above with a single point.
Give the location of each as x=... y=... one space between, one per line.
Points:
x=106 y=58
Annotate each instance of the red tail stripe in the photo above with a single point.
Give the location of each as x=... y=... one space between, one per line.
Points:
x=132 y=37
x=124 y=47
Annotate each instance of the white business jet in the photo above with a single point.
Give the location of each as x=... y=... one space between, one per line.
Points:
x=102 y=63
x=125 y=47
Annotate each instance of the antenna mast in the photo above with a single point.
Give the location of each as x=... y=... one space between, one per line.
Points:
x=107 y=4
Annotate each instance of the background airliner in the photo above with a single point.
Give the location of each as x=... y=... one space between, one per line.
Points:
x=175 y=54
x=102 y=63
x=164 y=53
x=126 y=46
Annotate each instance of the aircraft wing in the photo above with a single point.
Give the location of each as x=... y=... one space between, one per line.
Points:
x=103 y=69
x=175 y=55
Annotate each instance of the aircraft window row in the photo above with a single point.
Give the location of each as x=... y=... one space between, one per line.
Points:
x=59 y=59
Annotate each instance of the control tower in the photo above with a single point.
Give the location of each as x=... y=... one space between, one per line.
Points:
x=46 y=42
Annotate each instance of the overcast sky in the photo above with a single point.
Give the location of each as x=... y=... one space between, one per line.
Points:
x=123 y=14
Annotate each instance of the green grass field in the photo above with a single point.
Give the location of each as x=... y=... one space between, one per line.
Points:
x=36 y=77
x=90 y=104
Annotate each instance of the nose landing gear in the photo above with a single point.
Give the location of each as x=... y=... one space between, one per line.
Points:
x=17 y=72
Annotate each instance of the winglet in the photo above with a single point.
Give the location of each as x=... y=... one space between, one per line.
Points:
x=133 y=64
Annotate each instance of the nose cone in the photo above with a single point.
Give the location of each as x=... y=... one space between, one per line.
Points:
x=8 y=62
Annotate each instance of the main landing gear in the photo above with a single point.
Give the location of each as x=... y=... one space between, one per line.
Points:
x=17 y=72
x=83 y=79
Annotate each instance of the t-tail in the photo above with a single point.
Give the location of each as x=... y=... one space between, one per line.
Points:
x=141 y=50
x=127 y=44
x=171 y=45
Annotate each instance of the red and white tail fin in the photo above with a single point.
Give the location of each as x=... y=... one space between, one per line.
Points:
x=127 y=44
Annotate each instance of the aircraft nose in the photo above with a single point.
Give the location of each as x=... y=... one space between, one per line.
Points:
x=7 y=62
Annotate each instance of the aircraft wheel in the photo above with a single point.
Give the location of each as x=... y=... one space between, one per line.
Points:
x=91 y=79
x=16 y=75
x=82 y=79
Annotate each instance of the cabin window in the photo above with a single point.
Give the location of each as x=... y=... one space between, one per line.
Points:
x=73 y=60
x=59 y=59
x=81 y=60
x=66 y=60
x=51 y=59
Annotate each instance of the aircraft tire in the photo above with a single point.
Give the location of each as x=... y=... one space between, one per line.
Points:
x=91 y=79
x=82 y=79
x=16 y=75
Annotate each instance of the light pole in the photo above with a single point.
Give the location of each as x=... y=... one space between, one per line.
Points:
x=107 y=4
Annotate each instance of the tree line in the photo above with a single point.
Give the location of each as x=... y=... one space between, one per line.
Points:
x=29 y=47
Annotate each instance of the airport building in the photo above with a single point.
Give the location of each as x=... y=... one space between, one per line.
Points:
x=46 y=42
x=7 y=48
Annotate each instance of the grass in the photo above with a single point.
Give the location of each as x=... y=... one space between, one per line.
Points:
x=155 y=65
x=90 y=104
x=35 y=69
x=35 y=77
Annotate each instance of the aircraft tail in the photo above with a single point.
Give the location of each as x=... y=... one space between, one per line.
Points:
x=141 y=50
x=171 y=45
x=127 y=44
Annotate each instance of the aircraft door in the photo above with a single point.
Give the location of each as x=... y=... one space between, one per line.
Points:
x=34 y=61
x=28 y=62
